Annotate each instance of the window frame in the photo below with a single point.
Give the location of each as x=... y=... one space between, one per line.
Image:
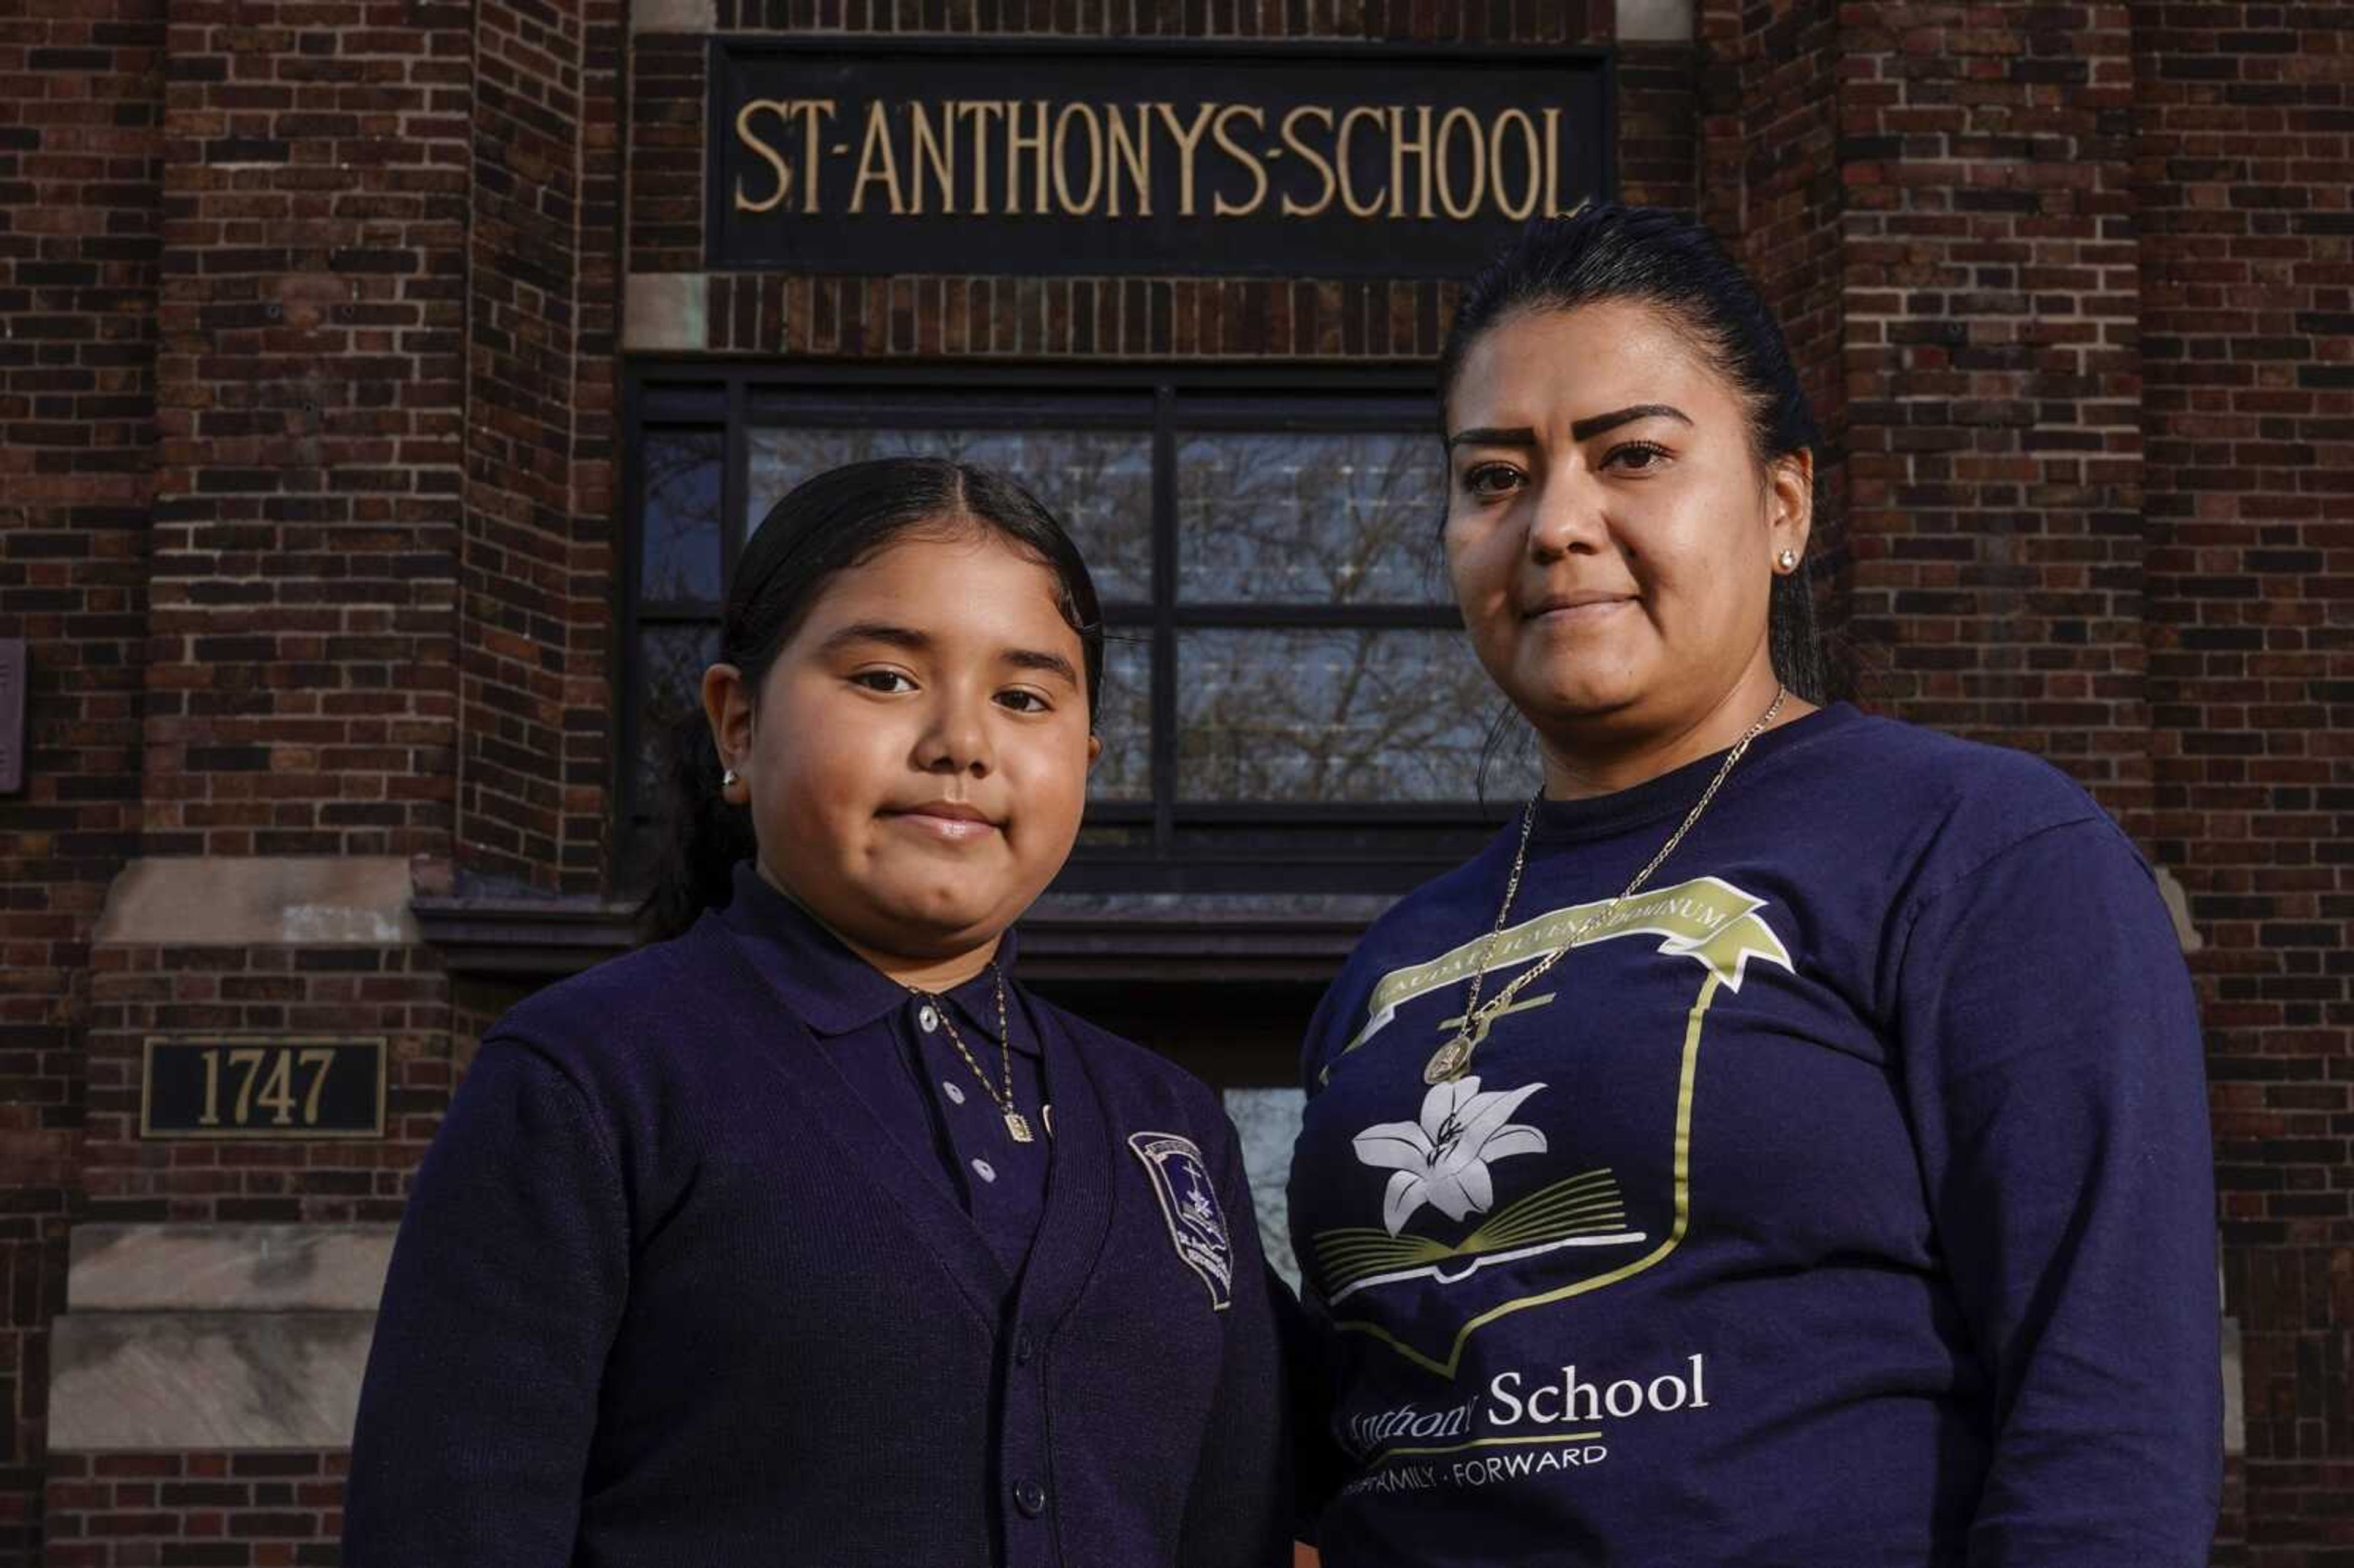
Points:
x=1187 y=846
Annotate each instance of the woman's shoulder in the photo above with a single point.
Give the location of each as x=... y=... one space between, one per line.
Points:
x=1918 y=779
x=1907 y=812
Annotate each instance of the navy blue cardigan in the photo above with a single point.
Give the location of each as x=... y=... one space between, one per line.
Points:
x=666 y=1294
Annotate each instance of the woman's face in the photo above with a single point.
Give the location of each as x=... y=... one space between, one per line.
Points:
x=1610 y=534
x=916 y=762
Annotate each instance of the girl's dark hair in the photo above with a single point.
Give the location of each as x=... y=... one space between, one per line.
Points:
x=1662 y=259
x=826 y=526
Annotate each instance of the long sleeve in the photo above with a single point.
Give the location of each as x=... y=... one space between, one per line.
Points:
x=2053 y=1069
x=505 y=1290
x=1239 y=1514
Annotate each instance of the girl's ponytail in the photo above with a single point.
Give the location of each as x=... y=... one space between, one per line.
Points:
x=699 y=837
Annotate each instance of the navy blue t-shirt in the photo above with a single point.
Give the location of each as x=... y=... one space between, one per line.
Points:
x=1844 y=1199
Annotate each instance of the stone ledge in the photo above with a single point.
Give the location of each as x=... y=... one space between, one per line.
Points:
x=263 y=900
x=167 y=1381
x=227 y=1269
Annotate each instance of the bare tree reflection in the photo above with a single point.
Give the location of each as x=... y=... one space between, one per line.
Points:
x=679 y=559
x=1099 y=482
x=1310 y=518
x=1352 y=716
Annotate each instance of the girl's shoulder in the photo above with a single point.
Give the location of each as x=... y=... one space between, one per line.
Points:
x=620 y=1022
x=1136 y=1082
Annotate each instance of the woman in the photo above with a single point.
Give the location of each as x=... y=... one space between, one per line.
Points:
x=810 y=1235
x=1787 y=1143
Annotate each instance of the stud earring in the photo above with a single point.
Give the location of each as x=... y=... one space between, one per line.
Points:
x=728 y=780
x=1787 y=560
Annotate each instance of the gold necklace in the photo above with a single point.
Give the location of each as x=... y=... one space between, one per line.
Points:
x=1016 y=1124
x=1449 y=1060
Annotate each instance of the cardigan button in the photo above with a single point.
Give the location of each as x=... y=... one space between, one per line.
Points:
x=1024 y=1350
x=1030 y=1498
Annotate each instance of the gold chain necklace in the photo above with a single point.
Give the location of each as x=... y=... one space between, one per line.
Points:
x=1016 y=1123
x=1449 y=1060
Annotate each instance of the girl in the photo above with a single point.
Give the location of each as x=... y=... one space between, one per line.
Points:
x=807 y=1235
x=1787 y=1143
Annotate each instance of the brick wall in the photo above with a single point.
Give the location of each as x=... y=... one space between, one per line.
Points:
x=300 y=693
x=203 y=1510
x=1995 y=462
x=544 y=291
x=398 y=993
x=2244 y=176
x=1771 y=185
x=80 y=141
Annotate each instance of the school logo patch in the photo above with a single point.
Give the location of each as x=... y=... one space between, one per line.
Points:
x=1189 y=1201
x=1488 y=1194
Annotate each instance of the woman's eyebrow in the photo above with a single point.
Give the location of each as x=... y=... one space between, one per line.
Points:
x=1485 y=436
x=1583 y=430
x=1586 y=429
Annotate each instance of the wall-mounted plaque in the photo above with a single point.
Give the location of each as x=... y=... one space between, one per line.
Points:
x=1032 y=159
x=262 y=1085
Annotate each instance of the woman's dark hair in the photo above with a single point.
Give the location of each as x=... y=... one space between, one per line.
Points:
x=1662 y=259
x=826 y=526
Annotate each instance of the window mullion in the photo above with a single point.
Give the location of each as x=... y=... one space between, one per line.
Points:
x=1165 y=606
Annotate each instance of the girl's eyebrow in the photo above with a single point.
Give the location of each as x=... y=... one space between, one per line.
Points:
x=1043 y=661
x=883 y=631
x=915 y=641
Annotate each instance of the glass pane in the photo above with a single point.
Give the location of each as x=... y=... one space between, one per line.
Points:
x=1099 y=482
x=680 y=555
x=671 y=662
x=1268 y=1121
x=1311 y=519
x=1347 y=715
x=1124 y=772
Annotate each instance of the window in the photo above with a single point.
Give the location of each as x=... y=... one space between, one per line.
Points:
x=1289 y=702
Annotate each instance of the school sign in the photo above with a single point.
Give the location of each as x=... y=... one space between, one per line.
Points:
x=1033 y=160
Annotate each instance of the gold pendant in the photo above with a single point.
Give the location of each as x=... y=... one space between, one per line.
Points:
x=1019 y=1128
x=1447 y=1061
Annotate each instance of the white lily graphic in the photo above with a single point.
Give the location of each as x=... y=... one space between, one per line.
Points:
x=1443 y=1160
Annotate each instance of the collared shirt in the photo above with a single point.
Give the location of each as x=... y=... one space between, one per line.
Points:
x=898 y=1048
x=669 y=1290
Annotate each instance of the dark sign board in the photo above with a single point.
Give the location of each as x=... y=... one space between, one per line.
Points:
x=1328 y=162
x=219 y=1085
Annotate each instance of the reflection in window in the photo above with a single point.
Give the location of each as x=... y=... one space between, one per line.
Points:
x=1267 y=1121
x=1124 y=772
x=1311 y=519
x=1098 y=482
x=1356 y=716
x=679 y=559
x=671 y=662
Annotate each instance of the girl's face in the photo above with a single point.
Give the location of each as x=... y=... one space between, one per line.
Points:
x=1610 y=534
x=917 y=761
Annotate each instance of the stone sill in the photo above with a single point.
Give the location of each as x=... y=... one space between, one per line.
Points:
x=1082 y=938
